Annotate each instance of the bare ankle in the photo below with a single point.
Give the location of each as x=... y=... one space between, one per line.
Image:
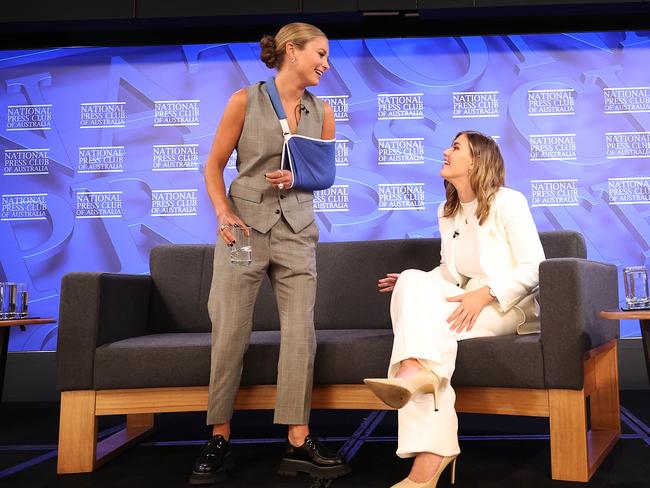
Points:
x=297 y=434
x=424 y=466
x=222 y=430
x=408 y=367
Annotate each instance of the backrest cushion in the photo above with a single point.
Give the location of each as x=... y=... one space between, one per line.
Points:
x=181 y=276
x=346 y=297
x=563 y=244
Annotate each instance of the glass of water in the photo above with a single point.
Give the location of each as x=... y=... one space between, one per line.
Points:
x=8 y=300
x=241 y=252
x=635 y=280
x=21 y=300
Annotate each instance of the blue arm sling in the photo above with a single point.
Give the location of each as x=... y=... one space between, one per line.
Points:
x=310 y=160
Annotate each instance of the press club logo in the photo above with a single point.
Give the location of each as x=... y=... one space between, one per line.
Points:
x=339 y=104
x=342 y=152
x=554 y=193
x=401 y=196
x=170 y=113
x=475 y=104
x=400 y=150
x=97 y=115
x=24 y=206
x=29 y=117
x=101 y=159
x=334 y=199
x=98 y=204
x=400 y=106
x=627 y=145
x=552 y=147
x=551 y=102
x=175 y=157
x=232 y=160
x=174 y=203
x=627 y=191
x=627 y=100
x=20 y=162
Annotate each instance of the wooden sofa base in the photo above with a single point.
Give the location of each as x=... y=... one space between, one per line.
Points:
x=576 y=452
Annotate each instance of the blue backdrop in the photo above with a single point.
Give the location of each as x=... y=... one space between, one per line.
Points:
x=103 y=148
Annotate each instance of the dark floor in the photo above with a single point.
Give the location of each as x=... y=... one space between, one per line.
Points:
x=496 y=451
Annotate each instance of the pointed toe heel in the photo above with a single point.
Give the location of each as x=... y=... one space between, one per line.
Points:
x=397 y=392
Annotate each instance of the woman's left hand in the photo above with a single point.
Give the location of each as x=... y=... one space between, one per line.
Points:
x=281 y=179
x=470 y=306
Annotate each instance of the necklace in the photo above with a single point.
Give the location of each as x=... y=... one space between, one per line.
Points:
x=468 y=209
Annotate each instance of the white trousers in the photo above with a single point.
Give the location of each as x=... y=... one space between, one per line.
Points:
x=419 y=311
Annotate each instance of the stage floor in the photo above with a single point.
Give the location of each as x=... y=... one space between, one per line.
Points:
x=496 y=451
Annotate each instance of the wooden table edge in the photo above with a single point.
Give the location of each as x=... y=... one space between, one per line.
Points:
x=18 y=322
x=625 y=314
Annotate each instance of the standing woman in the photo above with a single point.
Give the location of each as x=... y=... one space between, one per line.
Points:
x=485 y=286
x=283 y=237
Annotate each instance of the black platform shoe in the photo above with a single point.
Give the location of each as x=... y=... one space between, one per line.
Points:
x=212 y=464
x=314 y=459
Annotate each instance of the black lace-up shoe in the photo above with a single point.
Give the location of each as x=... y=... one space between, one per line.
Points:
x=314 y=459
x=212 y=464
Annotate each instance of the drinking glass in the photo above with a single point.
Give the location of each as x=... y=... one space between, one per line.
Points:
x=635 y=280
x=21 y=300
x=7 y=300
x=241 y=252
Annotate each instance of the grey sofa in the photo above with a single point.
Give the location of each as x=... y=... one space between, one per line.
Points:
x=139 y=345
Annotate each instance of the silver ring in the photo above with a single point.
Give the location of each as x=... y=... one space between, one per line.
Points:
x=281 y=186
x=222 y=227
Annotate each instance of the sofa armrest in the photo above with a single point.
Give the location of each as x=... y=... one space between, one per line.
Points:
x=96 y=309
x=572 y=293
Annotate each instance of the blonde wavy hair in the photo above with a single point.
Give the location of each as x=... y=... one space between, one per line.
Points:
x=487 y=176
x=298 y=33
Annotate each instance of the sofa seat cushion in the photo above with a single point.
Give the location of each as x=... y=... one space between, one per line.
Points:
x=509 y=361
x=344 y=357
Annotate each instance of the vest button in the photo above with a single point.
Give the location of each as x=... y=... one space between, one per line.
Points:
x=277 y=210
x=281 y=197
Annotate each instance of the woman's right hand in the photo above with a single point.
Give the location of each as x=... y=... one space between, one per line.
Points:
x=227 y=220
x=387 y=284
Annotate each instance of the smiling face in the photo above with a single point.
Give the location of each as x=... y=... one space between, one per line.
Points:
x=458 y=160
x=311 y=61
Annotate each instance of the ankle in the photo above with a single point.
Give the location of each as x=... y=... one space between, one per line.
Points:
x=408 y=367
x=297 y=435
x=222 y=430
x=424 y=467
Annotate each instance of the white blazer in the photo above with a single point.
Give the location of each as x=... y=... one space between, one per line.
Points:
x=510 y=253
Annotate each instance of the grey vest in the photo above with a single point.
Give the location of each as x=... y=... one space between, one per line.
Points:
x=258 y=152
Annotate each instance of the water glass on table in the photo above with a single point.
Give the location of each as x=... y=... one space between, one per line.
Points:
x=21 y=300
x=635 y=280
x=8 y=293
x=241 y=252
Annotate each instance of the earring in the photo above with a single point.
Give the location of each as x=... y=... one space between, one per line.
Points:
x=293 y=60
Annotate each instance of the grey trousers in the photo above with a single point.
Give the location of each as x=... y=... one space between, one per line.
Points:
x=289 y=259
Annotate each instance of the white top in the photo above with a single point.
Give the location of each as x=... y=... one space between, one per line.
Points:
x=466 y=249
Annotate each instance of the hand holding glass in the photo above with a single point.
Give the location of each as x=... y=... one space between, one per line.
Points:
x=241 y=252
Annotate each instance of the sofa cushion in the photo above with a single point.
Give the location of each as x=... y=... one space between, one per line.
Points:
x=181 y=277
x=511 y=361
x=346 y=296
x=343 y=357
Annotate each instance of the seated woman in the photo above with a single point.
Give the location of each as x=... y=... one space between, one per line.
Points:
x=485 y=286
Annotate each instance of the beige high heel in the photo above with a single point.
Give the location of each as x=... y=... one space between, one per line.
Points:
x=433 y=482
x=397 y=392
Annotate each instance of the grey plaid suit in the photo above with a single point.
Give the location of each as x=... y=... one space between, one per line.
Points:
x=283 y=239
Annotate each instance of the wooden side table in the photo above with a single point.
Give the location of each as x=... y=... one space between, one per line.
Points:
x=643 y=316
x=4 y=340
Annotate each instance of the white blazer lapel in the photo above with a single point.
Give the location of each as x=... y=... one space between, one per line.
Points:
x=451 y=247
